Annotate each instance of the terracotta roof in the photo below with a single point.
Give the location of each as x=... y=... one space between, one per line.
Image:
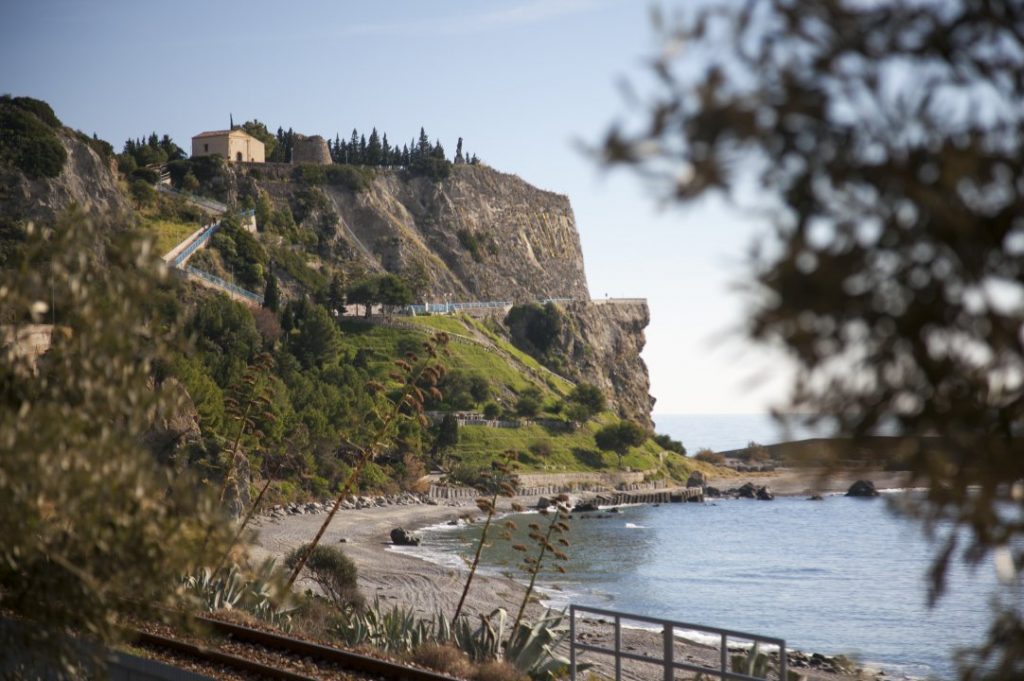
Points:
x=221 y=133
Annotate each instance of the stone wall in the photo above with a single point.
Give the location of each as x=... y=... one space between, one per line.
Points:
x=311 y=149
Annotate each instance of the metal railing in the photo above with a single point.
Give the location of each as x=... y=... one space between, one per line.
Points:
x=667 y=660
x=209 y=204
x=196 y=244
x=228 y=286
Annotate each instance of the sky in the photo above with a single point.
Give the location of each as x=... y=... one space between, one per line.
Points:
x=528 y=84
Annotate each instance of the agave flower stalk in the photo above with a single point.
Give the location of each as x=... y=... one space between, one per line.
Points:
x=502 y=482
x=557 y=527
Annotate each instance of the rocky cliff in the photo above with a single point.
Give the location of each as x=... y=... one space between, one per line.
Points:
x=87 y=181
x=601 y=343
x=477 y=235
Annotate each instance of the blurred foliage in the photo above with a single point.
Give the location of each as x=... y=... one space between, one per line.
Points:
x=885 y=143
x=91 y=525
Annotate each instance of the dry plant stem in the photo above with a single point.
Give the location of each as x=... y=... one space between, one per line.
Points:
x=230 y=474
x=367 y=455
x=248 y=516
x=476 y=557
x=536 y=569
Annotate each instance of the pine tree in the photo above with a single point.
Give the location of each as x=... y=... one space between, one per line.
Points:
x=385 y=151
x=405 y=156
x=353 y=148
x=423 y=146
x=373 y=150
x=362 y=149
x=458 y=152
x=438 y=151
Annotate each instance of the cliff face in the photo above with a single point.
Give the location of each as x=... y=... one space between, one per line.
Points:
x=87 y=181
x=478 y=235
x=602 y=342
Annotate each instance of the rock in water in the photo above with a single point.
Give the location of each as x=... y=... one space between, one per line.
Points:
x=585 y=507
x=862 y=488
x=399 y=537
x=815 y=497
x=747 y=491
x=765 y=493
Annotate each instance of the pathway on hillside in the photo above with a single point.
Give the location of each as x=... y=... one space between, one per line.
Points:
x=178 y=257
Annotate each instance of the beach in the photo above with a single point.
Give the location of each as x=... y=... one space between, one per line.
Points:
x=400 y=577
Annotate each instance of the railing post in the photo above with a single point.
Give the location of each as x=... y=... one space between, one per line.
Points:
x=724 y=656
x=669 y=662
x=783 y=661
x=618 y=648
x=572 y=642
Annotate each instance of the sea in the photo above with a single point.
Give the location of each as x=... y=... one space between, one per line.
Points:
x=841 y=576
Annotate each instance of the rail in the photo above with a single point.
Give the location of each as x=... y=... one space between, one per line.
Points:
x=224 y=285
x=667 y=661
x=201 y=201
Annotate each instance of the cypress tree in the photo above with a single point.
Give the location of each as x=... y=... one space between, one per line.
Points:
x=362 y=149
x=458 y=152
x=373 y=150
x=271 y=294
x=385 y=151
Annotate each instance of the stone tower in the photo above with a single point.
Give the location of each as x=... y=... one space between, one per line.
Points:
x=311 y=149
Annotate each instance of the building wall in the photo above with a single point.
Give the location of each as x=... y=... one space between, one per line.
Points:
x=229 y=147
x=208 y=146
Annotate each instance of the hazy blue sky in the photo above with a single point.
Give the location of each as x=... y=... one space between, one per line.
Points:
x=523 y=81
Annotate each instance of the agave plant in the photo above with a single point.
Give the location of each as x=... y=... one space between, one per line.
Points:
x=258 y=594
x=532 y=648
x=396 y=630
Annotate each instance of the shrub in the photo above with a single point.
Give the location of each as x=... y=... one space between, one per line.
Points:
x=470 y=242
x=446 y=659
x=146 y=175
x=353 y=178
x=666 y=442
x=27 y=142
x=499 y=670
x=527 y=406
x=708 y=456
x=333 y=572
x=39 y=109
x=541 y=448
x=491 y=411
x=311 y=174
x=143 y=192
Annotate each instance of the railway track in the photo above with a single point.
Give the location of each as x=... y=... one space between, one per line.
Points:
x=255 y=653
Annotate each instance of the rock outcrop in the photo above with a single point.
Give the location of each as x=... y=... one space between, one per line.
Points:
x=87 y=181
x=602 y=344
x=401 y=537
x=862 y=488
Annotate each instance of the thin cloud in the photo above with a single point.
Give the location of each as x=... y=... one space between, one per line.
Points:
x=527 y=13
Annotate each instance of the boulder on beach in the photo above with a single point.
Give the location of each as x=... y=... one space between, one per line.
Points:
x=862 y=488
x=543 y=503
x=712 y=491
x=765 y=493
x=400 y=537
x=747 y=491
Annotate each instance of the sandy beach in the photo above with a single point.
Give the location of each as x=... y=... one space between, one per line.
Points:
x=403 y=578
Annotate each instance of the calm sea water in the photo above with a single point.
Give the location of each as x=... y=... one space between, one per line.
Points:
x=722 y=432
x=838 y=576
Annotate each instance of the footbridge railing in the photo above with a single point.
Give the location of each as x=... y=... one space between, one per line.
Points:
x=224 y=285
x=667 y=660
